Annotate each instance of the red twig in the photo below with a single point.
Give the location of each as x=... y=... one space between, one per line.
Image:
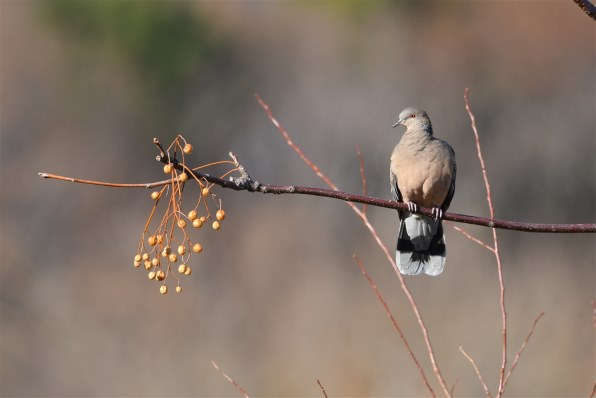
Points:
x=380 y=243
x=472 y=238
x=495 y=246
x=488 y=394
x=594 y=313
x=232 y=381
x=374 y=287
x=147 y=185
x=362 y=176
x=322 y=388
x=522 y=348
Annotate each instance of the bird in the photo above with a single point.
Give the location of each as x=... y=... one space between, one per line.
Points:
x=422 y=173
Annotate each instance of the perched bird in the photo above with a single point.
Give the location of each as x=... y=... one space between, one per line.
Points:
x=422 y=174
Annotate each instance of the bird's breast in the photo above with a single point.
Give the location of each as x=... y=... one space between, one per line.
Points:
x=423 y=174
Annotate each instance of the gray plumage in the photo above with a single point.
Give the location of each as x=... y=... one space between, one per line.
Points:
x=422 y=173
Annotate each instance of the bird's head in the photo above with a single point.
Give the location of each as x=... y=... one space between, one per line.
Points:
x=414 y=118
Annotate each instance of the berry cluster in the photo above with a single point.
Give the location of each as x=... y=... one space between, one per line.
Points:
x=168 y=246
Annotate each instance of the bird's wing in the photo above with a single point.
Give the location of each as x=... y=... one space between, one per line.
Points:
x=451 y=191
x=395 y=193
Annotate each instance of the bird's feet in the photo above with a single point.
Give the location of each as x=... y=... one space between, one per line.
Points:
x=437 y=213
x=412 y=207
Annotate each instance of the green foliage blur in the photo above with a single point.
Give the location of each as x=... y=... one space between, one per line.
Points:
x=165 y=42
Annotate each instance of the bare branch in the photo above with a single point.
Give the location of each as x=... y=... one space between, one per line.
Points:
x=523 y=347
x=472 y=238
x=587 y=7
x=232 y=381
x=495 y=248
x=362 y=176
x=488 y=394
x=254 y=186
x=374 y=287
x=322 y=388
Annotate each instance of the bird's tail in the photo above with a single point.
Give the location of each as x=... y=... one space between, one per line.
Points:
x=420 y=245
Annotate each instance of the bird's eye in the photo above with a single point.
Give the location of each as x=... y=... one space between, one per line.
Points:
x=412 y=115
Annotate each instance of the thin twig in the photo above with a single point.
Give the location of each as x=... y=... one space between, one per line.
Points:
x=495 y=246
x=322 y=388
x=522 y=348
x=472 y=238
x=362 y=176
x=594 y=313
x=147 y=185
x=373 y=285
x=452 y=389
x=488 y=394
x=232 y=381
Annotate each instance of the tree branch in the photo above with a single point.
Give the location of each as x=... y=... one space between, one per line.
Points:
x=247 y=184
x=587 y=7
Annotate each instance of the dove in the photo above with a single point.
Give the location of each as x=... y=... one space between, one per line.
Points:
x=422 y=173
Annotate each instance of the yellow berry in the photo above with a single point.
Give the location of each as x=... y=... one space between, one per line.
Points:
x=187 y=149
x=173 y=258
x=215 y=225
x=155 y=195
x=166 y=251
x=178 y=289
x=137 y=263
x=168 y=168
x=152 y=240
x=205 y=191
x=183 y=177
x=163 y=289
x=160 y=275
x=181 y=250
x=192 y=215
x=220 y=215
x=197 y=248
x=145 y=256
x=197 y=223
x=203 y=218
x=147 y=265
x=155 y=261
x=159 y=238
x=182 y=223
x=182 y=268
x=137 y=258
x=188 y=271
x=151 y=275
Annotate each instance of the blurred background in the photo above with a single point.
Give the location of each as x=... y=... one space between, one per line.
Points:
x=275 y=298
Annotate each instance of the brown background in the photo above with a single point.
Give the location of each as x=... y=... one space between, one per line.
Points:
x=276 y=299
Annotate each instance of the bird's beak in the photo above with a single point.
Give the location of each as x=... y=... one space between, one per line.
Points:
x=400 y=121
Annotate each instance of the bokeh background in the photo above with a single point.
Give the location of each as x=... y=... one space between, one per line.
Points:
x=276 y=298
